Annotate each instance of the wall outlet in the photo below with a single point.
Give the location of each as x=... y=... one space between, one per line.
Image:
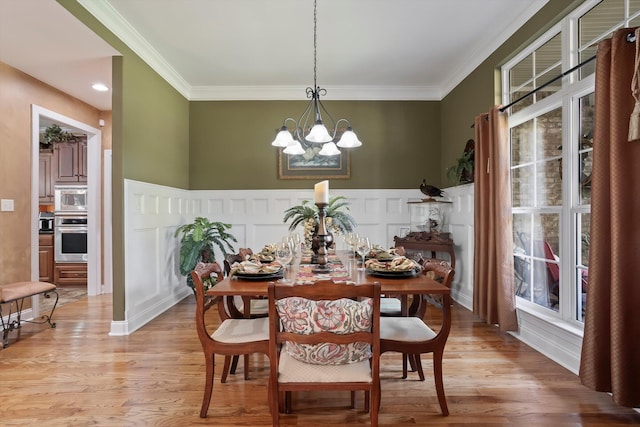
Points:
x=6 y=205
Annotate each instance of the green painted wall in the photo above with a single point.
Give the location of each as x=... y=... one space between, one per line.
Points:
x=231 y=143
x=481 y=90
x=150 y=136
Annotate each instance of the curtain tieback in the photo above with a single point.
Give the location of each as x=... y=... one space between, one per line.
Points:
x=634 y=120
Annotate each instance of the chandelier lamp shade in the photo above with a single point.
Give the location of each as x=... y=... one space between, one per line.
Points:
x=310 y=129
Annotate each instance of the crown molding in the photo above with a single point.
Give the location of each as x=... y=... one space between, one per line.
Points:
x=297 y=93
x=481 y=55
x=110 y=18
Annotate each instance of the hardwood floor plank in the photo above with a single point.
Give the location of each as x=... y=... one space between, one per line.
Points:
x=77 y=375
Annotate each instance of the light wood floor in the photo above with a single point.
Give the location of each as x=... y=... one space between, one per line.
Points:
x=77 y=375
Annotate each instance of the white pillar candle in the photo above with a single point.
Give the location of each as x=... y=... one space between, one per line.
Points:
x=321 y=191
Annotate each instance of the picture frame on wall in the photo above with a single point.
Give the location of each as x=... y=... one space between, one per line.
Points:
x=313 y=166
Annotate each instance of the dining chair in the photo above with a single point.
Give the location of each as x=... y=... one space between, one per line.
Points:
x=237 y=305
x=232 y=337
x=324 y=336
x=391 y=305
x=411 y=336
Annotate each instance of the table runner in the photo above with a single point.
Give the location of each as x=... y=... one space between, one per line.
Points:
x=338 y=272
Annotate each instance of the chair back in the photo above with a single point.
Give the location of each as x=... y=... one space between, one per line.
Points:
x=245 y=253
x=316 y=316
x=325 y=290
x=200 y=274
x=440 y=271
x=229 y=260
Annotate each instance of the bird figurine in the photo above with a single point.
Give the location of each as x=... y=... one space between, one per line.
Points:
x=430 y=190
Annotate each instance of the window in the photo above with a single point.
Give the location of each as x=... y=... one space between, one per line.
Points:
x=551 y=158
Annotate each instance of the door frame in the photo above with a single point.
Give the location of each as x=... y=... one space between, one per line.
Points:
x=94 y=150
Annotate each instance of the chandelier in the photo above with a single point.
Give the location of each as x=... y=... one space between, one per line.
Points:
x=310 y=129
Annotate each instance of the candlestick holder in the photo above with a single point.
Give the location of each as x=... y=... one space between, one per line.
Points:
x=322 y=239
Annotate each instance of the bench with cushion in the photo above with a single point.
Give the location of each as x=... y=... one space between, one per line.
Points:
x=16 y=293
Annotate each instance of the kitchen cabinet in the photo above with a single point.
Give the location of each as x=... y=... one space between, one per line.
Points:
x=45 y=176
x=70 y=162
x=45 y=256
x=70 y=273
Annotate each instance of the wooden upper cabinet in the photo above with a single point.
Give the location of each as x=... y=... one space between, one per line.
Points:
x=82 y=161
x=45 y=177
x=71 y=162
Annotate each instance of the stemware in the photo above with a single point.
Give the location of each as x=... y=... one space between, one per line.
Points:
x=351 y=240
x=294 y=242
x=363 y=248
x=284 y=255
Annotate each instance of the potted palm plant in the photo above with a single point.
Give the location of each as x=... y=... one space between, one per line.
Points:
x=337 y=219
x=197 y=244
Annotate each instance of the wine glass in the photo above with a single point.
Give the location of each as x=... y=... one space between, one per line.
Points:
x=294 y=242
x=351 y=239
x=284 y=255
x=363 y=248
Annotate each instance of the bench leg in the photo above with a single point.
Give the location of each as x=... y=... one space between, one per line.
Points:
x=10 y=325
x=46 y=318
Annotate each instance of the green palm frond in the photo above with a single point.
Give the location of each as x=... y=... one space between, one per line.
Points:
x=334 y=210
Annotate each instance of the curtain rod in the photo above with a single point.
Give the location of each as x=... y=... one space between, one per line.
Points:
x=561 y=75
x=531 y=92
x=631 y=38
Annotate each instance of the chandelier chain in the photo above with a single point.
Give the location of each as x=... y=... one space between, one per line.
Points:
x=315 y=44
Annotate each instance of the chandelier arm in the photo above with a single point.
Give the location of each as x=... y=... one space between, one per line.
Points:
x=343 y=120
x=332 y=120
x=303 y=121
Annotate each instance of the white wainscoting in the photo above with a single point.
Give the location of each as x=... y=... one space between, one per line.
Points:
x=153 y=212
x=461 y=227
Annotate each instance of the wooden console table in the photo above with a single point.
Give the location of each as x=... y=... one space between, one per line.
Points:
x=428 y=242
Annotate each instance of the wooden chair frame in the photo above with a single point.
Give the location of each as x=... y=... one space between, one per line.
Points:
x=211 y=346
x=323 y=290
x=435 y=345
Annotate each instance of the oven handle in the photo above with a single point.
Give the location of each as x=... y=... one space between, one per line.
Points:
x=70 y=229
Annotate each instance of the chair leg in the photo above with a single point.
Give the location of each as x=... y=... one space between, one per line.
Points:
x=208 y=387
x=375 y=407
x=234 y=364
x=274 y=403
x=367 y=401
x=225 y=369
x=418 y=363
x=246 y=366
x=287 y=402
x=404 y=366
x=437 y=374
x=412 y=363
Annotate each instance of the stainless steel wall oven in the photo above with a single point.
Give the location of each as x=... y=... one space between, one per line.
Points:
x=70 y=234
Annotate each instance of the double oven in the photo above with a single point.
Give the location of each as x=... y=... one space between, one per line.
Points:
x=70 y=223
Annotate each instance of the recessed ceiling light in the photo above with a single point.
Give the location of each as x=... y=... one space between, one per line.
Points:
x=100 y=87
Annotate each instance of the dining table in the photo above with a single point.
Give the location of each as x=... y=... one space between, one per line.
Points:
x=342 y=267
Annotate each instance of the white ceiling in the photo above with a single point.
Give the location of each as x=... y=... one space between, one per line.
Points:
x=257 y=49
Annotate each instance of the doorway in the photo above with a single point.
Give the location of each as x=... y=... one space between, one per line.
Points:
x=94 y=148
